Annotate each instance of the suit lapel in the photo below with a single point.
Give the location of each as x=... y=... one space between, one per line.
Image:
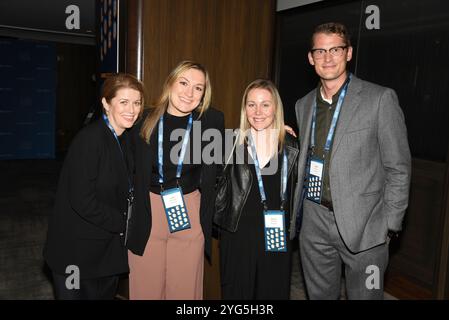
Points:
x=306 y=124
x=350 y=104
x=291 y=153
x=147 y=162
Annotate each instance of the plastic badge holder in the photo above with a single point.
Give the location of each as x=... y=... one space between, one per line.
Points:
x=175 y=210
x=275 y=237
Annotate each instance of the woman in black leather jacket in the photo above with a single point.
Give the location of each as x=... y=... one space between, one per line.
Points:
x=254 y=199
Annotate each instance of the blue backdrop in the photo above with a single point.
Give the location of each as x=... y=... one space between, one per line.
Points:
x=27 y=99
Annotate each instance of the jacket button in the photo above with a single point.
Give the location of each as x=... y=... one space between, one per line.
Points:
x=124 y=213
x=121 y=234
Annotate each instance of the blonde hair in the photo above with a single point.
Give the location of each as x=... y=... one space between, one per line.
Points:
x=278 y=114
x=161 y=104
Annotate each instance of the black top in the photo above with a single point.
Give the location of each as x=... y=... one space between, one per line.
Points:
x=252 y=212
x=272 y=185
x=87 y=225
x=140 y=223
x=247 y=270
x=190 y=174
x=237 y=181
x=251 y=225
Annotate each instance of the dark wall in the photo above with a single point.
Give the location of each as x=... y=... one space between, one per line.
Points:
x=46 y=20
x=76 y=90
x=27 y=99
x=409 y=54
x=72 y=59
x=46 y=92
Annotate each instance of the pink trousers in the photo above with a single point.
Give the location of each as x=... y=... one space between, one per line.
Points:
x=172 y=265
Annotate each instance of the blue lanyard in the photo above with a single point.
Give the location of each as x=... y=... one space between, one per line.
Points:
x=106 y=120
x=259 y=175
x=160 y=141
x=330 y=134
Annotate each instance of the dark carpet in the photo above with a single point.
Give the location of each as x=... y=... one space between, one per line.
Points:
x=27 y=191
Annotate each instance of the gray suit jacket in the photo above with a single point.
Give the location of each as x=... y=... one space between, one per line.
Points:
x=370 y=163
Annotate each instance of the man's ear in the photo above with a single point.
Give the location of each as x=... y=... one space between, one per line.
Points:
x=349 y=55
x=309 y=55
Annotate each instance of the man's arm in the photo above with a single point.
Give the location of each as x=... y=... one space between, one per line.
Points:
x=396 y=159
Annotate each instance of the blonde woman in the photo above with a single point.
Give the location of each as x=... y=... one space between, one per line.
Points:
x=253 y=207
x=166 y=256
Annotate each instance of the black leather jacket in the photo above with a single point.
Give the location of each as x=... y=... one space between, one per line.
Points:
x=235 y=184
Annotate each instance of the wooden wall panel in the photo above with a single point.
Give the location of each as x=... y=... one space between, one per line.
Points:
x=131 y=16
x=442 y=277
x=232 y=38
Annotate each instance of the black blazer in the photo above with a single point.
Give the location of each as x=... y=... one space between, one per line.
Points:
x=89 y=215
x=140 y=222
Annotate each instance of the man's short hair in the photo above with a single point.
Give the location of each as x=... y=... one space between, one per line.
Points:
x=332 y=28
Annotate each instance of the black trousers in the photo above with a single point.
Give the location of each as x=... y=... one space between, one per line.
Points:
x=103 y=288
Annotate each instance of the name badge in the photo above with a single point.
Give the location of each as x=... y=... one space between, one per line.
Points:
x=275 y=237
x=175 y=210
x=315 y=180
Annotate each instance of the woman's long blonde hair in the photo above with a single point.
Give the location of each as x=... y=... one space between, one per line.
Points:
x=278 y=114
x=160 y=106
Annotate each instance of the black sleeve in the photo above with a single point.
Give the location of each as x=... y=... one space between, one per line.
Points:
x=83 y=170
x=132 y=140
x=220 y=127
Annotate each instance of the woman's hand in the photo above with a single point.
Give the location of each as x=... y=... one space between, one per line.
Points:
x=290 y=130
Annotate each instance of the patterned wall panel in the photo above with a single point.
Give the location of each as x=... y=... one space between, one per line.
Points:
x=27 y=99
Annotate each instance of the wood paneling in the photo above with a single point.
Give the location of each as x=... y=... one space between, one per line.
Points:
x=134 y=37
x=232 y=38
x=414 y=257
x=442 y=277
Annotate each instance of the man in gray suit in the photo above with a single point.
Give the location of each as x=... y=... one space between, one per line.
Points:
x=355 y=164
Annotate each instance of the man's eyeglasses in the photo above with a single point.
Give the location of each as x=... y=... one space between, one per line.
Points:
x=335 y=52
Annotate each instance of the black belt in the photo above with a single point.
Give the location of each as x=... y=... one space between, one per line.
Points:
x=327 y=204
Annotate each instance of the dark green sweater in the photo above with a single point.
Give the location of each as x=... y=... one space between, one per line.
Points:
x=325 y=112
